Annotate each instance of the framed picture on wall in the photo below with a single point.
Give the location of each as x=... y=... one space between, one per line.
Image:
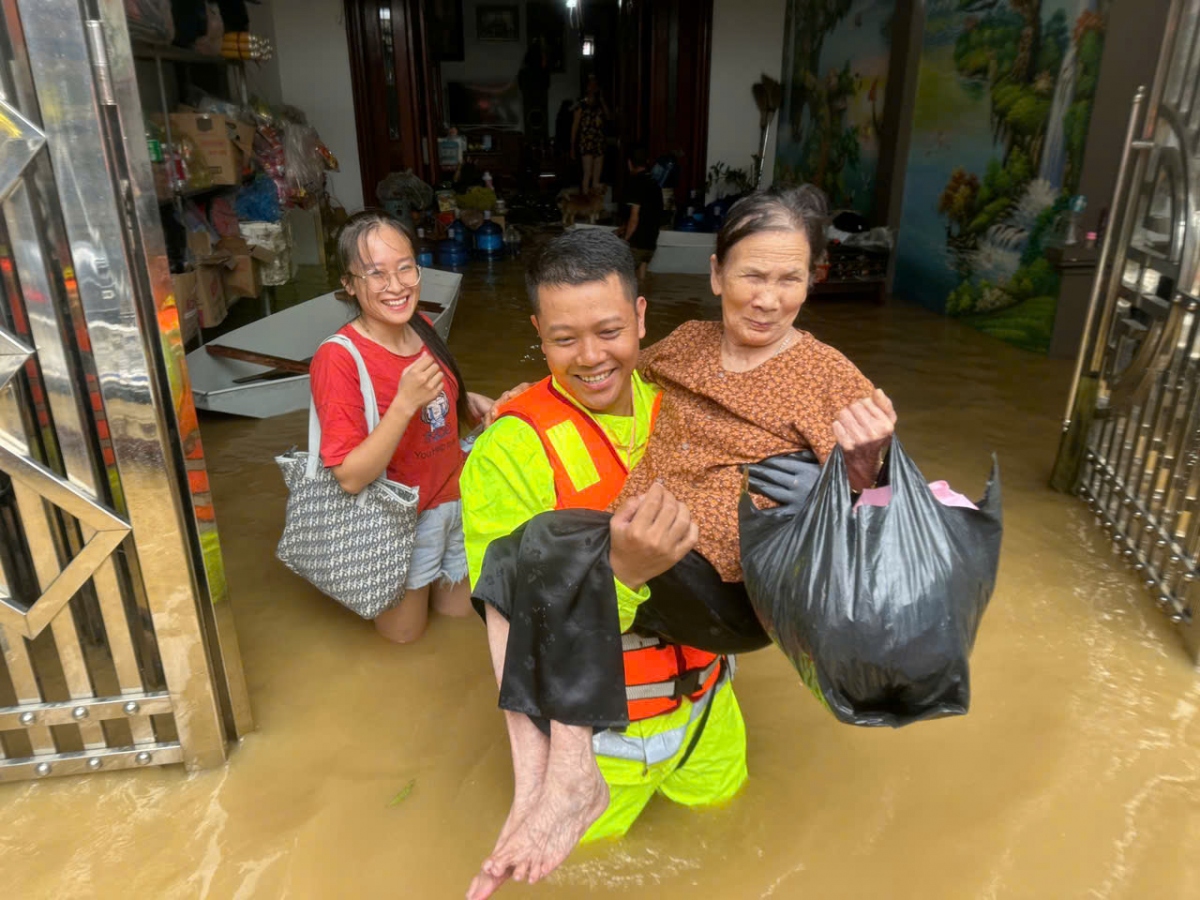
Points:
x=446 y=30
x=500 y=23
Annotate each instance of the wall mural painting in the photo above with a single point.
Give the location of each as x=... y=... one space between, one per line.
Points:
x=1004 y=98
x=834 y=74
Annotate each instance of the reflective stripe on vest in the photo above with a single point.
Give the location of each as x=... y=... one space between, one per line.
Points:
x=657 y=675
x=563 y=427
x=659 y=747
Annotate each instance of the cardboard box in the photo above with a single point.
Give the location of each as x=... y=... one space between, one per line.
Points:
x=183 y=287
x=201 y=244
x=211 y=301
x=241 y=279
x=226 y=144
x=243 y=273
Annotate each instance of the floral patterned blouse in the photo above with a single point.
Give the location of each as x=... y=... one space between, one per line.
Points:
x=714 y=421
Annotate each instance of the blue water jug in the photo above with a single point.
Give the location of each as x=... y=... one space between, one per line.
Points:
x=716 y=212
x=457 y=231
x=451 y=254
x=489 y=239
x=423 y=250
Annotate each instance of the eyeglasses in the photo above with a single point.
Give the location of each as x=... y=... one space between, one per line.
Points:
x=407 y=275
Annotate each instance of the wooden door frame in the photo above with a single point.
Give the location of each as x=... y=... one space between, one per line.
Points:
x=415 y=147
x=650 y=68
x=418 y=88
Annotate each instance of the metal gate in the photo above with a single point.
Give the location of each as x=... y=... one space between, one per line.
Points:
x=118 y=648
x=1131 y=447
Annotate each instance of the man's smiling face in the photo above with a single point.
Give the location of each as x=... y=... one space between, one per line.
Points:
x=591 y=334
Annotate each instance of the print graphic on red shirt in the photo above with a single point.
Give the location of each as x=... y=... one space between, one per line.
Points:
x=428 y=456
x=437 y=414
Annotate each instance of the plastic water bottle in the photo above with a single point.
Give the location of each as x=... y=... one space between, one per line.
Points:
x=457 y=230
x=489 y=238
x=451 y=254
x=424 y=250
x=512 y=240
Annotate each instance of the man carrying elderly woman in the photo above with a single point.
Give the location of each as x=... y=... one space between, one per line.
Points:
x=605 y=561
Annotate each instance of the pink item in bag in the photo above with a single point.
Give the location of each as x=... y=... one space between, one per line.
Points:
x=942 y=492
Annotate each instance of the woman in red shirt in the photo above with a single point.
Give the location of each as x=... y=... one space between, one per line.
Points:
x=421 y=401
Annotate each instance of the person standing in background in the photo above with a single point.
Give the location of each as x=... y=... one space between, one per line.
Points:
x=587 y=135
x=645 y=201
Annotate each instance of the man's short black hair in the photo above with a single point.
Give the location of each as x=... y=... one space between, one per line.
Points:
x=581 y=257
x=639 y=156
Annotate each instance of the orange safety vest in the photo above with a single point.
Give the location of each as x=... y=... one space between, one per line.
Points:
x=658 y=675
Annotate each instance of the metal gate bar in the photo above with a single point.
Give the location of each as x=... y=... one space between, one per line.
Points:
x=115 y=630
x=1136 y=396
x=147 y=240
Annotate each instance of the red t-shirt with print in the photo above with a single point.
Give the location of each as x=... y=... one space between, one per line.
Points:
x=428 y=456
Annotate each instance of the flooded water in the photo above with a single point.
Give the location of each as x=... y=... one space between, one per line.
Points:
x=1076 y=774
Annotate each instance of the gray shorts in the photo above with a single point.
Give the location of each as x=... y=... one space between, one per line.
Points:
x=439 y=551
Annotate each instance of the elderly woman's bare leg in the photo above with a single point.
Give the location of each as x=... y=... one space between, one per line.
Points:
x=530 y=753
x=557 y=789
x=573 y=796
x=530 y=748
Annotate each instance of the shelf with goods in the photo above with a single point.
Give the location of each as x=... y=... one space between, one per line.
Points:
x=241 y=142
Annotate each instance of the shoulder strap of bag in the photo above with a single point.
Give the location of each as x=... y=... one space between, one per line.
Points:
x=370 y=405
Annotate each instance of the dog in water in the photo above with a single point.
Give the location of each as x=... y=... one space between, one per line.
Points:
x=575 y=204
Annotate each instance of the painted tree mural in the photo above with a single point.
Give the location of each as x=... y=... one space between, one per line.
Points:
x=835 y=67
x=1034 y=63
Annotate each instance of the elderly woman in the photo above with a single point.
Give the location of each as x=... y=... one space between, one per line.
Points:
x=733 y=393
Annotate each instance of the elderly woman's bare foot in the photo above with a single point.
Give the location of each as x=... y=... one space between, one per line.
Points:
x=530 y=753
x=573 y=796
x=523 y=804
x=559 y=830
x=484 y=885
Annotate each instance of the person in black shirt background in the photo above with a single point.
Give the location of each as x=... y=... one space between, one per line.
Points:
x=644 y=198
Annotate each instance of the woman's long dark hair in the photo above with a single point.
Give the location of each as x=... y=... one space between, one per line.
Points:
x=350 y=240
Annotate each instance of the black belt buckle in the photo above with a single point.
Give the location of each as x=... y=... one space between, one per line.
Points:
x=688 y=683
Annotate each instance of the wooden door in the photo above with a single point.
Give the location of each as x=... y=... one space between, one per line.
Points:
x=666 y=48
x=394 y=78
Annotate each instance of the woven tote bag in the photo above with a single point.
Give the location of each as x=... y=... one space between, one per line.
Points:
x=354 y=548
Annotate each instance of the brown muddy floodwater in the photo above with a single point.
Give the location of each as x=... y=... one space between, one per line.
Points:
x=1076 y=774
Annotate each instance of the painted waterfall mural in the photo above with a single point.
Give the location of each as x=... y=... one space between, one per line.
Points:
x=1004 y=99
x=835 y=63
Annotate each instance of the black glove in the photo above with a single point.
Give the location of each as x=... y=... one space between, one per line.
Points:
x=787 y=480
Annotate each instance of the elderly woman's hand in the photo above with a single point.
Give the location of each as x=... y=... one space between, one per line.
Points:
x=864 y=431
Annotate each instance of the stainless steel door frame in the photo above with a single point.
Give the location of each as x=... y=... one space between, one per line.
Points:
x=1131 y=445
x=115 y=629
x=169 y=359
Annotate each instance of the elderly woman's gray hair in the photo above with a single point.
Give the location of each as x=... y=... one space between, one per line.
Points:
x=803 y=208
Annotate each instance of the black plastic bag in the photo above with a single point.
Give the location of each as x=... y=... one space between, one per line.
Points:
x=877 y=608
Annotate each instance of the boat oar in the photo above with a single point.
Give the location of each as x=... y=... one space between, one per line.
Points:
x=278 y=366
